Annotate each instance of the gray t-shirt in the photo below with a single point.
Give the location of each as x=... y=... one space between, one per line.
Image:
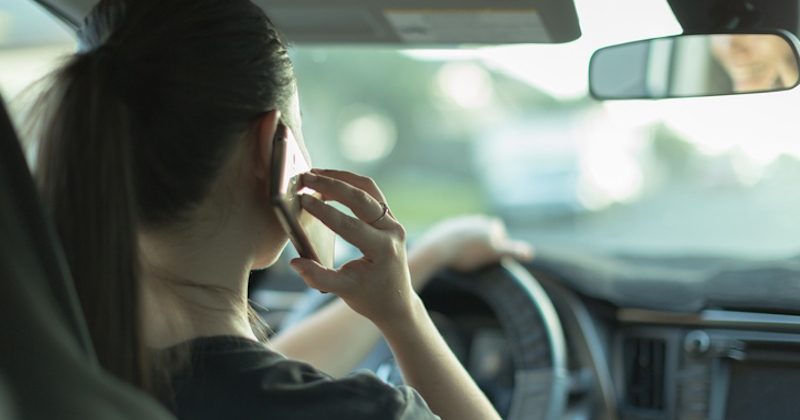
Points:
x=235 y=378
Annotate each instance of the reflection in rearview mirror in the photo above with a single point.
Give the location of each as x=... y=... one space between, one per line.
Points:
x=695 y=65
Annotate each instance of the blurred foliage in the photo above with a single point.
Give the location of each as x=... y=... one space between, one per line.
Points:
x=430 y=173
x=673 y=150
x=418 y=204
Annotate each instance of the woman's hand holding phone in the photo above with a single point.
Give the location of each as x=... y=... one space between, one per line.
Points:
x=378 y=284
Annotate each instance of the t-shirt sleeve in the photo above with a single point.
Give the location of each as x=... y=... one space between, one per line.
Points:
x=263 y=386
x=415 y=407
x=361 y=395
x=403 y=402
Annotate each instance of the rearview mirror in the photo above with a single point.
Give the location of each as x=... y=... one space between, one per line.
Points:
x=695 y=65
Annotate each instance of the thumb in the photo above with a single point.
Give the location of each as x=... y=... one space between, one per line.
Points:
x=314 y=275
x=520 y=250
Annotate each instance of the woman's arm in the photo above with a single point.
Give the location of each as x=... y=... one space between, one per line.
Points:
x=336 y=339
x=378 y=286
x=429 y=366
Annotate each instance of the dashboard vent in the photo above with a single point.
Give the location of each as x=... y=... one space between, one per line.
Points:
x=644 y=372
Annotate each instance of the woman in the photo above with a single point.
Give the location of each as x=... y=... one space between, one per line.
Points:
x=154 y=160
x=756 y=62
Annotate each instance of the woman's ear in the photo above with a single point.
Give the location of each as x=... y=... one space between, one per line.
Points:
x=265 y=134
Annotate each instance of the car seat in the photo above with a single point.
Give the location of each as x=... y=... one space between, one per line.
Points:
x=48 y=368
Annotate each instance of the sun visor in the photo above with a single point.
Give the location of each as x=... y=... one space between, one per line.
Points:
x=425 y=22
x=414 y=22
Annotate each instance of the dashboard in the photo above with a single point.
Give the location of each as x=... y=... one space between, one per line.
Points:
x=712 y=365
x=657 y=364
x=613 y=349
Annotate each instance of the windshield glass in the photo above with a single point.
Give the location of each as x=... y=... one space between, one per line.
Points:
x=511 y=131
x=31 y=42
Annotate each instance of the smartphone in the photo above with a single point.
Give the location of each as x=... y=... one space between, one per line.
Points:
x=310 y=237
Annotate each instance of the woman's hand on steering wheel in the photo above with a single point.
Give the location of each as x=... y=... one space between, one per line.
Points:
x=474 y=241
x=465 y=243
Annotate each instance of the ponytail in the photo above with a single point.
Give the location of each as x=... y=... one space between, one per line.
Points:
x=85 y=174
x=133 y=132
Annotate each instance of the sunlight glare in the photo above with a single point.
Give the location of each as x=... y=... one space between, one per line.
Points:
x=367 y=135
x=562 y=69
x=467 y=84
x=761 y=125
x=610 y=171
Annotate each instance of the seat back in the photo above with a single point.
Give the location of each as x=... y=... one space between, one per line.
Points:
x=46 y=357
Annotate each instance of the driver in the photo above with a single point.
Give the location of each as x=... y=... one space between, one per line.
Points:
x=154 y=161
x=755 y=62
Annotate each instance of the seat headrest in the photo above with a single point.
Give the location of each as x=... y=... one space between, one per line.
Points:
x=46 y=357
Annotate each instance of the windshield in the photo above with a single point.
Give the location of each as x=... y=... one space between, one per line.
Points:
x=511 y=131
x=31 y=42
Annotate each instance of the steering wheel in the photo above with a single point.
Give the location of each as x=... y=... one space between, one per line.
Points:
x=531 y=335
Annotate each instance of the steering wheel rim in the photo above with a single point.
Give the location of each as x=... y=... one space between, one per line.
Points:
x=534 y=333
x=530 y=324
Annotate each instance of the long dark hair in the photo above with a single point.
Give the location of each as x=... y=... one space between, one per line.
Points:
x=133 y=131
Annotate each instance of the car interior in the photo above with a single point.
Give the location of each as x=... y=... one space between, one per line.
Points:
x=657 y=185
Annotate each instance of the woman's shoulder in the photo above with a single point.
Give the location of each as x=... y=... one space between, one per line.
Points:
x=234 y=377
x=227 y=352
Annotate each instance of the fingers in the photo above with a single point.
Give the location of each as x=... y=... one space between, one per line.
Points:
x=505 y=246
x=365 y=205
x=315 y=275
x=378 y=281
x=357 y=232
x=519 y=250
x=325 y=279
x=358 y=181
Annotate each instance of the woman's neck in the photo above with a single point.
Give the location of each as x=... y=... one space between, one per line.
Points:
x=195 y=281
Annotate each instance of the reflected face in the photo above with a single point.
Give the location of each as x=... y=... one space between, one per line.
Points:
x=756 y=62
